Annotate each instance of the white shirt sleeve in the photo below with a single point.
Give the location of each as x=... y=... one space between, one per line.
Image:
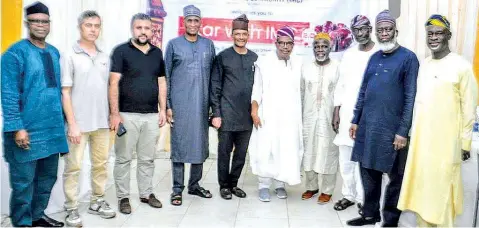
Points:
x=339 y=90
x=257 y=93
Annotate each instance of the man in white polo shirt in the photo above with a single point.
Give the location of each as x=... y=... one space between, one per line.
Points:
x=85 y=72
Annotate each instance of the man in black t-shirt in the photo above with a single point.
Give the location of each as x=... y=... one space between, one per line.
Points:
x=137 y=86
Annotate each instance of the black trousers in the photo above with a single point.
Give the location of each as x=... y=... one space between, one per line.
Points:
x=372 y=183
x=196 y=173
x=226 y=140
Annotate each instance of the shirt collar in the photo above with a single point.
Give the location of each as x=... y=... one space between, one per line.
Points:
x=78 y=49
x=198 y=38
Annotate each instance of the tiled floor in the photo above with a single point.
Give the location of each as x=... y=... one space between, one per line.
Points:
x=216 y=212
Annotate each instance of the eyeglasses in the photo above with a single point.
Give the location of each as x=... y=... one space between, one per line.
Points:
x=362 y=29
x=38 y=22
x=285 y=44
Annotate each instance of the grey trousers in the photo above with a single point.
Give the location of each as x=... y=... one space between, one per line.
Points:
x=196 y=173
x=141 y=136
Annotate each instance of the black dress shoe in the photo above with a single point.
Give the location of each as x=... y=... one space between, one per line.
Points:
x=238 y=192
x=226 y=193
x=361 y=221
x=46 y=221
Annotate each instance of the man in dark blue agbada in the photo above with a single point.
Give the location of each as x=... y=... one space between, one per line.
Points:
x=381 y=122
x=33 y=130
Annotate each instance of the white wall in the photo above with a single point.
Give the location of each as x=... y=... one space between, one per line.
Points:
x=462 y=14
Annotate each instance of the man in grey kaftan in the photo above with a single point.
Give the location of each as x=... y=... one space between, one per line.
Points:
x=189 y=59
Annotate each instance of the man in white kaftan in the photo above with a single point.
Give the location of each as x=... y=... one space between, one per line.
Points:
x=276 y=146
x=351 y=71
x=320 y=160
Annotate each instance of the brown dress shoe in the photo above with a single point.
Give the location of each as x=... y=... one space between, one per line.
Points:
x=124 y=206
x=309 y=194
x=152 y=201
x=324 y=198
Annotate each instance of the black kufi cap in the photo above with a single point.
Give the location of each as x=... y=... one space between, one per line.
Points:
x=37 y=7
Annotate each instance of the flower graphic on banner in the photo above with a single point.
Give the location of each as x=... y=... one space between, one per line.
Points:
x=341 y=35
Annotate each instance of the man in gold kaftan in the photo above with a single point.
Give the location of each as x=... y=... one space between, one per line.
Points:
x=444 y=114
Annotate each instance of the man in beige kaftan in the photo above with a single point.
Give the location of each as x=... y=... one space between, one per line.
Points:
x=321 y=156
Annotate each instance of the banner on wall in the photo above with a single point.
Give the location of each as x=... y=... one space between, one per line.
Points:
x=306 y=17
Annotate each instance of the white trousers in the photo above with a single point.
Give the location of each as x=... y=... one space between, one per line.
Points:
x=266 y=182
x=328 y=182
x=352 y=186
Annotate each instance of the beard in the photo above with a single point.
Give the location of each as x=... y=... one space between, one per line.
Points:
x=137 y=41
x=321 y=59
x=388 y=46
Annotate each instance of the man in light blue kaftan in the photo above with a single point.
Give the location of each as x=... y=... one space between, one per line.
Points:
x=33 y=131
x=189 y=59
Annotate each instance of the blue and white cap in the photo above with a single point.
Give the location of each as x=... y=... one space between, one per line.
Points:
x=191 y=10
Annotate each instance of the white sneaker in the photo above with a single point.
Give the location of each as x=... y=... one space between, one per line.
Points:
x=101 y=208
x=73 y=218
x=264 y=195
x=281 y=193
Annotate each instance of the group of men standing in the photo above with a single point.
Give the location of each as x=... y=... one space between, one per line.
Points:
x=321 y=115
